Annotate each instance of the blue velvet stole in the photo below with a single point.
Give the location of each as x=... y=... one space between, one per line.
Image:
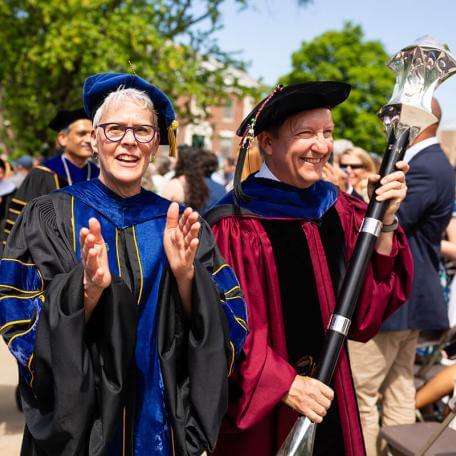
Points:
x=145 y=214
x=274 y=199
x=77 y=174
x=121 y=212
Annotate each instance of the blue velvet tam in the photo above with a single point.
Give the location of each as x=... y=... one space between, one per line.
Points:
x=98 y=86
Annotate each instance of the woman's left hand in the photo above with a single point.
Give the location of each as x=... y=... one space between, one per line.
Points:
x=332 y=173
x=181 y=241
x=393 y=189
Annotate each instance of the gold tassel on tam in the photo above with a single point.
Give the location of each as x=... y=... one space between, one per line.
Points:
x=172 y=138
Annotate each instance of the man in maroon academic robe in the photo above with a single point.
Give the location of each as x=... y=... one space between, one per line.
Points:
x=288 y=236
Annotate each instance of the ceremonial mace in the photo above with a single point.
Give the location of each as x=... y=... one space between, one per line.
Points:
x=420 y=69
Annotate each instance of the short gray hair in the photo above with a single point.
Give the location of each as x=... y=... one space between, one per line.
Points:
x=121 y=95
x=342 y=145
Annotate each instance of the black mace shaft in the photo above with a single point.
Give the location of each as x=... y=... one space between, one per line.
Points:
x=354 y=277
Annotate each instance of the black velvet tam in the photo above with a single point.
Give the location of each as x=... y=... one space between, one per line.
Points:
x=64 y=118
x=290 y=100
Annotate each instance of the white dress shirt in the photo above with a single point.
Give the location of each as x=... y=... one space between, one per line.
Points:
x=266 y=173
x=417 y=148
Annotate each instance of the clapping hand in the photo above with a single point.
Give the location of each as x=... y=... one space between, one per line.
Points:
x=94 y=256
x=181 y=241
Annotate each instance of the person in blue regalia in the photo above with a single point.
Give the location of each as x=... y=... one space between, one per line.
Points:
x=123 y=317
x=70 y=166
x=73 y=165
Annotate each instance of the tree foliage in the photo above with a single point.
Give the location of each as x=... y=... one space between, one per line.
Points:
x=346 y=56
x=48 y=48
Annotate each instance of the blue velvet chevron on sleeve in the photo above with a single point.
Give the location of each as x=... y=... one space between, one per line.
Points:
x=21 y=299
x=233 y=305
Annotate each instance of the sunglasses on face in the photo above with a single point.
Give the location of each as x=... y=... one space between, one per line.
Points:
x=352 y=166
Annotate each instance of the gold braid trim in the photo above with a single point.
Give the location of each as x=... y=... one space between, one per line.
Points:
x=172 y=138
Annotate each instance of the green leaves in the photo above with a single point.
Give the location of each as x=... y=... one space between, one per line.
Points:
x=346 y=56
x=49 y=47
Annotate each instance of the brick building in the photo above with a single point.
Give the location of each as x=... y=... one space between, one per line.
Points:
x=218 y=132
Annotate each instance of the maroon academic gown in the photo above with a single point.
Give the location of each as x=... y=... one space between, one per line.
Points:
x=258 y=422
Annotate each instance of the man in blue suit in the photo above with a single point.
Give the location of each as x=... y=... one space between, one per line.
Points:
x=385 y=363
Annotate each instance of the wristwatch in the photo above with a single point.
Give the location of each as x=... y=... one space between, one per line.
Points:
x=391 y=227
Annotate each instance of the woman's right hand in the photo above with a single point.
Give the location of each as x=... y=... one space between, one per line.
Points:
x=309 y=397
x=94 y=256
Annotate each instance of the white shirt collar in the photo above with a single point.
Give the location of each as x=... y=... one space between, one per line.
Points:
x=266 y=173
x=415 y=149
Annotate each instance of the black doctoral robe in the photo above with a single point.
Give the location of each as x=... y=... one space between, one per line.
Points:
x=40 y=181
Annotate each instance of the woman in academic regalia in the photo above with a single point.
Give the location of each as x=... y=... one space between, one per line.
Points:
x=124 y=319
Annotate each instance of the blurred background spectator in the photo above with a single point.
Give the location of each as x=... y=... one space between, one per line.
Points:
x=6 y=190
x=216 y=190
x=161 y=169
x=339 y=147
x=188 y=185
x=358 y=165
x=22 y=167
x=229 y=166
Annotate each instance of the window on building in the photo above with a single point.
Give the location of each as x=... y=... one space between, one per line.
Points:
x=228 y=110
x=198 y=141
x=226 y=145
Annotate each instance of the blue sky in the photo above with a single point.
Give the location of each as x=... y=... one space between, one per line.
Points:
x=271 y=30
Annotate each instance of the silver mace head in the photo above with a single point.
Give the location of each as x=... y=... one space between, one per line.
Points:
x=420 y=69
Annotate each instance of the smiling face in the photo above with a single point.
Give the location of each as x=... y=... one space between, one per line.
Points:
x=354 y=168
x=297 y=152
x=123 y=163
x=75 y=141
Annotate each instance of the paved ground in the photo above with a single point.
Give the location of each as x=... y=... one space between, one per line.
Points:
x=11 y=421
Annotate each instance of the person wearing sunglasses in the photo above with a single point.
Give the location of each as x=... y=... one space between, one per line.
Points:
x=123 y=316
x=358 y=166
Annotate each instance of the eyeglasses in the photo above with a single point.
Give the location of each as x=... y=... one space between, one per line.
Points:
x=116 y=132
x=352 y=166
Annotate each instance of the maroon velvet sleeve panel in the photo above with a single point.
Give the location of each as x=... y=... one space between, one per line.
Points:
x=264 y=376
x=388 y=278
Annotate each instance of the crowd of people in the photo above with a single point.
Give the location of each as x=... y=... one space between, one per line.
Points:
x=177 y=304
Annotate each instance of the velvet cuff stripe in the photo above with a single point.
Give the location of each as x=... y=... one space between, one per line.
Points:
x=233 y=306
x=21 y=299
